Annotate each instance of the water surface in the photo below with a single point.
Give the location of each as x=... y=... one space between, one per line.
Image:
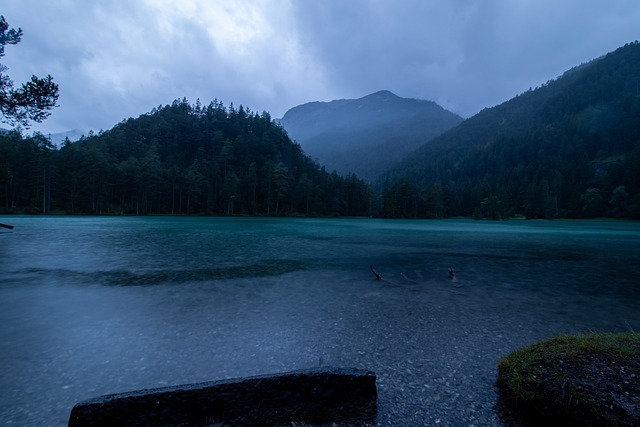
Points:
x=91 y=306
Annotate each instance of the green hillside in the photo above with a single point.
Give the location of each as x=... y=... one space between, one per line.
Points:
x=177 y=159
x=570 y=148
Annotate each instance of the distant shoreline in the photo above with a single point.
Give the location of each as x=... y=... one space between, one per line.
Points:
x=201 y=215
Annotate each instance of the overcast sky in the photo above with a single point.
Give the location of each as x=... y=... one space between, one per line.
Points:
x=115 y=59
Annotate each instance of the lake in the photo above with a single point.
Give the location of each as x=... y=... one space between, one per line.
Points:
x=98 y=305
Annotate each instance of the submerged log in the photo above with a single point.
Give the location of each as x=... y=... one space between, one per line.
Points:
x=317 y=396
x=10 y=227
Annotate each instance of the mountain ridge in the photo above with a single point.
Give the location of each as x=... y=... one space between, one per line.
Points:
x=368 y=134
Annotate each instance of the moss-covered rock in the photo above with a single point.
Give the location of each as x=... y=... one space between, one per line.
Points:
x=591 y=379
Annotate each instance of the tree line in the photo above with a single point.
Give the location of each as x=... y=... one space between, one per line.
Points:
x=177 y=159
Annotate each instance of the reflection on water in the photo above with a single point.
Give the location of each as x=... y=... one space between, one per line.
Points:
x=155 y=277
x=90 y=306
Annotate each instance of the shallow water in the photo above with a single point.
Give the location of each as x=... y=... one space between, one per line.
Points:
x=91 y=306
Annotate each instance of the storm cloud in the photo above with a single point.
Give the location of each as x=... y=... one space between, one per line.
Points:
x=119 y=58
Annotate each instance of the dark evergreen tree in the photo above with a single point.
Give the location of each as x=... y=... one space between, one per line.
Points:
x=31 y=101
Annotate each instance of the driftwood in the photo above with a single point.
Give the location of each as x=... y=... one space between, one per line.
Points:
x=10 y=227
x=373 y=270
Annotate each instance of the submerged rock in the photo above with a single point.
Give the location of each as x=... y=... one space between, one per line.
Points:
x=317 y=396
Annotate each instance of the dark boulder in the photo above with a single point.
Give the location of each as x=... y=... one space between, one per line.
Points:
x=317 y=396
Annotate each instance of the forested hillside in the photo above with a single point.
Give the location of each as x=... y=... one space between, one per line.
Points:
x=177 y=159
x=366 y=136
x=570 y=148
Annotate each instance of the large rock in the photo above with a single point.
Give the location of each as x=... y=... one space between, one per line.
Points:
x=317 y=396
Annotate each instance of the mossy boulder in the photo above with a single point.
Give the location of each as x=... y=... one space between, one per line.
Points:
x=587 y=380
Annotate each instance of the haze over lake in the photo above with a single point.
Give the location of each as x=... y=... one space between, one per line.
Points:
x=97 y=305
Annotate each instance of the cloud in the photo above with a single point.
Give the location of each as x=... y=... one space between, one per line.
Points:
x=117 y=59
x=370 y=45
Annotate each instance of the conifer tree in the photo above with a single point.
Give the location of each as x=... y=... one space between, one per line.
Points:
x=31 y=101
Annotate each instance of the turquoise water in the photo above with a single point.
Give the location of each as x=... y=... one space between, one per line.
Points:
x=94 y=305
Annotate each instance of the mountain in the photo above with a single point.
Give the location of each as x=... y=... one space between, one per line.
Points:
x=570 y=148
x=58 y=138
x=366 y=136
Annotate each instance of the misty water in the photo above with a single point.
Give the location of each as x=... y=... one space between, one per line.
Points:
x=94 y=305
